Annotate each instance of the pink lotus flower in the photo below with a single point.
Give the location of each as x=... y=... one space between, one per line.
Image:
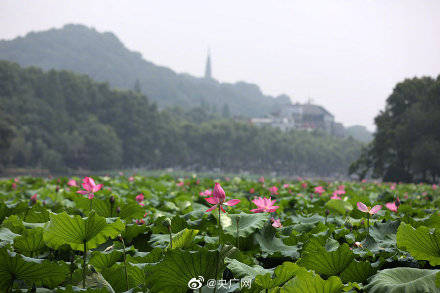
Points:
x=363 y=208
x=335 y=196
x=252 y=190
x=34 y=199
x=304 y=185
x=207 y=192
x=16 y=180
x=89 y=187
x=140 y=222
x=140 y=198
x=14 y=185
x=261 y=180
x=72 y=182
x=434 y=186
x=319 y=190
x=286 y=186
x=339 y=192
x=393 y=187
x=364 y=180
x=273 y=190
x=218 y=199
x=276 y=223
x=341 y=187
x=180 y=183
x=265 y=205
x=391 y=206
x=131 y=178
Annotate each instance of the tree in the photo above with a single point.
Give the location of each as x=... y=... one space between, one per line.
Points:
x=226 y=113
x=407 y=141
x=137 y=87
x=6 y=135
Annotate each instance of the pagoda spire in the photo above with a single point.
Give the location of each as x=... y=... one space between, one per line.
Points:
x=208 y=66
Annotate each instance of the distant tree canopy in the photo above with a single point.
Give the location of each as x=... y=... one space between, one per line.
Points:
x=406 y=145
x=6 y=135
x=65 y=121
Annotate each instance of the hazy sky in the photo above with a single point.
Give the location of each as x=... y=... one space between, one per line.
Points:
x=345 y=55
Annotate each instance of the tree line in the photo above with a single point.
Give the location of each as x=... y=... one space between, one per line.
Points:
x=406 y=145
x=64 y=121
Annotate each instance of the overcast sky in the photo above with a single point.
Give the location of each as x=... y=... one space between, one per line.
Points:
x=345 y=55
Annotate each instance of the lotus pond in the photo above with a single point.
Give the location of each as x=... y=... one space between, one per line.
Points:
x=162 y=234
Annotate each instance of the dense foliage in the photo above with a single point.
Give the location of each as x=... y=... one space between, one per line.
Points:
x=406 y=145
x=63 y=120
x=104 y=58
x=157 y=235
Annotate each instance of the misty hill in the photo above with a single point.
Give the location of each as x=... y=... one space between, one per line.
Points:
x=104 y=58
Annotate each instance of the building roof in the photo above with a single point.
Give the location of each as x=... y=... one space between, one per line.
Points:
x=310 y=109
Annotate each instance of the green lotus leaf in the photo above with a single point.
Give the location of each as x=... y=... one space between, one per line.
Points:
x=30 y=242
x=422 y=243
x=37 y=214
x=76 y=289
x=115 y=275
x=15 y=224
x=328 y=263
x=272 y=246
x=184 y=239
x=103 y=208
x=95 y=281
x=100 y=260
x=404 y=280
x=179 y=267
x=241 y=270
x=75 y=231
x=146 y=257
x=247 y=224
x=385 y=233
x=311 y=283
x=132 y=231
x=281 y=275
x=358 y=272
x=14 y=267
x=7 y=235
x=339 y=206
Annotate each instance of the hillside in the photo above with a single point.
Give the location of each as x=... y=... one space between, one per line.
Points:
x=62 y=120
x=104 y=58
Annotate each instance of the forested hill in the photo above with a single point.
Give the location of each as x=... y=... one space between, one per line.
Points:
x=103 y=57
x=59 y=120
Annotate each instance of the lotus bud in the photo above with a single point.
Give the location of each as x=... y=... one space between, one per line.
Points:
x=166 y=222
x=118 y=210
x=112 y=199
x=33 y=199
